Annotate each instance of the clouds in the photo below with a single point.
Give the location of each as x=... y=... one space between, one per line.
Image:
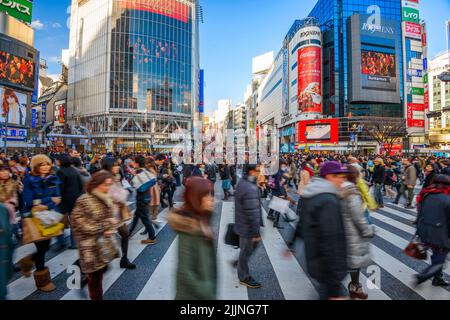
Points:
x=37 y=24
x=54 y=59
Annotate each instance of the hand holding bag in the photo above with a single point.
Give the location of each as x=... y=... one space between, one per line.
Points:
x=231 y=238
x=108 y=249
x=416 y=249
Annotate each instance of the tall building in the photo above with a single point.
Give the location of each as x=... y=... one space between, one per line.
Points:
x=134 y=71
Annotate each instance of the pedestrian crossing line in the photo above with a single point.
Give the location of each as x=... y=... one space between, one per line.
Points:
x=400 y=214
x=293 y=281
x=228 y=282
x=135 y=248
x=394 y=223
x=162 y=283
x=402 y=208
x=402 y=244
x=406 y=275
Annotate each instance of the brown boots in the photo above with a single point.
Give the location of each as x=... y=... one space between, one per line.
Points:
x=44 y=281
x=26 y=266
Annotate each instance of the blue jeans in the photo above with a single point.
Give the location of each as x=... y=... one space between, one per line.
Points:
x=379 y=194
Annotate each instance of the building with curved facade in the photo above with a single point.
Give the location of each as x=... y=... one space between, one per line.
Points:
x=133 y=72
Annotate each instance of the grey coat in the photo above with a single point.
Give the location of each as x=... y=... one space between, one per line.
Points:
x=357 y=229
x=248 y=214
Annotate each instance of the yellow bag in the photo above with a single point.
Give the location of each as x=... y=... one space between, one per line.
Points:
x=369 y=201
x=50 y=232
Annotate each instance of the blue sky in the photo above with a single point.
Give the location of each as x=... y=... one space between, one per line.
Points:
x=233 y=33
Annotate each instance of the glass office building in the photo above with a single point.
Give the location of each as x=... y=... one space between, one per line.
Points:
x=333 y=16
x=149 y=86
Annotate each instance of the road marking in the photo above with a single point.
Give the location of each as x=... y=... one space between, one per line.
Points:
x=394 y=223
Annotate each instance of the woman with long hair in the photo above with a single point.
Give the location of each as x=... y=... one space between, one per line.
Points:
x=197 y=270
x=11 y=107
x=41 y=193
x=433 y=227
x=93 y=220
x=120 y=196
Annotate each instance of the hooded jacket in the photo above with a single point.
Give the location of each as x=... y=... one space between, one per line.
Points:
x=248 y=214
x=324 y=233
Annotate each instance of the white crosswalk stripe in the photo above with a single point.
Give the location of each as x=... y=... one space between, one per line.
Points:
x=289 y=275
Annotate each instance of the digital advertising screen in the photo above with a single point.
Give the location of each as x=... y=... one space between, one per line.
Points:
x=170 y=8
x=310 y=80
x=13 y=107
x=16 y=70
x=378 y=64
x=318 y=132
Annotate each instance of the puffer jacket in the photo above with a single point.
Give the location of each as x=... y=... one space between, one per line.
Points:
x=91 y=218
x=357 y=229
x=248 y=214
x=197 y=266
x=324 y=232
x=43 y=189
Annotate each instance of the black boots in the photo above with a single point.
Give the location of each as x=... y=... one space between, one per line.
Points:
x=439 y=281
x=126 y=264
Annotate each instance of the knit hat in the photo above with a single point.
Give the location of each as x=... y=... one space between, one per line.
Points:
x=36 y=161
x=332 y=167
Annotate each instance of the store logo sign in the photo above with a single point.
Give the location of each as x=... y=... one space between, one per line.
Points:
x=411 y=15
x=378 y=28
x=20 y=9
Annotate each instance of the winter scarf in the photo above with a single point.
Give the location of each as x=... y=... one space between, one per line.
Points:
x=431 y=190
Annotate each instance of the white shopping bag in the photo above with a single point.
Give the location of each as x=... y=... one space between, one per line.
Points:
x=279 y=205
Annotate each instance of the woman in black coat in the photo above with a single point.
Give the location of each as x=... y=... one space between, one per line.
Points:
x=433 y=227
x=71 y=187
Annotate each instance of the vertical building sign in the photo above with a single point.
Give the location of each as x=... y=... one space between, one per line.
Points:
x=201 y=104
x=33 y=118
x=285 y=92
x=35 y=95
x=310 y=71
x=44 y=114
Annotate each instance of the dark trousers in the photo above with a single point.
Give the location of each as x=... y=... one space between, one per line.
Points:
x=143 y=213
x=407 y=193
x=95 y=284
x=247 y=246
x=39 y=257
x=124 y=239
x=438 y=260
x=170 y=191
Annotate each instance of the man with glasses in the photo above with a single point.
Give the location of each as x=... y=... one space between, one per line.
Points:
x=323 y=230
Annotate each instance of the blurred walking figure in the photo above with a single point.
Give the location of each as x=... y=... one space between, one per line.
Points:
x=9 y=189
x=378 y=181
x=143 y=181
x=358 y=232
x=430 y=173
x=155 y=193
x=197 y=268
x=390 y=182
x=434 y=227
x=41 y=193
x=119 y=196
x=93 y=219
x=409 y=180
x=248 y=221
x=225 y=176
x=6 y=251
x=71 y=189
x=324 y=231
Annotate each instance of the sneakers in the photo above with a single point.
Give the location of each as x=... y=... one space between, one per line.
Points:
x=148 y=242
x=251 y=283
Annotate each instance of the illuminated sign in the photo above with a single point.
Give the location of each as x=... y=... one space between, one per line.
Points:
x=169 y=8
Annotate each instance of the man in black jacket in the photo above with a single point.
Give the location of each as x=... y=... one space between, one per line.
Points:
x=248 y=221
x=323 y=230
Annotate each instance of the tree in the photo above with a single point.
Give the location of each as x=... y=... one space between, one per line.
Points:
x=386 y=131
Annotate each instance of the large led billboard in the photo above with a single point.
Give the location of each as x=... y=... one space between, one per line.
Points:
x=169 y=8
x=373 y=56
x=16 y=70
x=13 y=107
x=318 y=131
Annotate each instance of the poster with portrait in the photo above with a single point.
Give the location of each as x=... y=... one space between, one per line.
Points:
x=13 y=107
x=310 y=80
x=17 y=70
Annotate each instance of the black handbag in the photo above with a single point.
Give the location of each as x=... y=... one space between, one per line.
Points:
x=231 y=238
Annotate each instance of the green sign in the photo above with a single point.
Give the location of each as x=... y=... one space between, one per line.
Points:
x=19 y=9
x=418 y=91
x=411 y=15
x=425 y=78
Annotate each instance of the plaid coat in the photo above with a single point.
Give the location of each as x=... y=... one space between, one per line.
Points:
x=91 y=218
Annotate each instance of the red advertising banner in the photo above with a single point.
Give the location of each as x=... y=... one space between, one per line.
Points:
x=169 y=8
x=413 y=30
x=424 y=39
x=414 y=123
x=426 y=100
x=62 y=114
x=310 y=80
x=318 y=131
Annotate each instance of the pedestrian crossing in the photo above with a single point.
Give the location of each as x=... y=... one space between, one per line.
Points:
x=282 y=277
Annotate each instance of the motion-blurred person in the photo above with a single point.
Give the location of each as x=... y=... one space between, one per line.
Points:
x=9 y=189
x=166 y=179
x=433 y=227
x=211 y=175
x=119 y=196
x=6 y=251
x=408 y=183
x=143 y=181
x=377 y=181
x=155 y=193
x=248 y=221
x=197 y=270
x=390 y=182
x=357 y=230
x=84 y=174
x=41 y=193
x=225 y=176
x=324 y=231
x=92 y=220
x=445 y=164
x=71 y=188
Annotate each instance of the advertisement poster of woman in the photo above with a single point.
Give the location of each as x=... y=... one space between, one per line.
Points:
x=14 y=110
